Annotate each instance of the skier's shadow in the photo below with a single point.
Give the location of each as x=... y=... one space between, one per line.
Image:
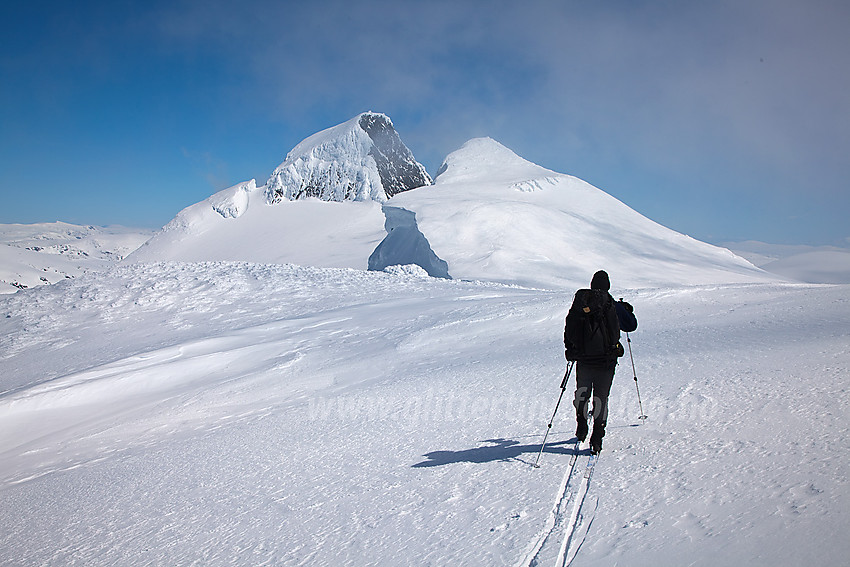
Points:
x=495 y=450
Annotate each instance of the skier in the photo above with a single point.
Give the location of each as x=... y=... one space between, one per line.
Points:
x=592 y=339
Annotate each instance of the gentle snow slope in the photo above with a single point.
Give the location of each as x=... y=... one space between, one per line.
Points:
x=821 y=266
x=245 y=414
x=492 y=215
x=238 y=224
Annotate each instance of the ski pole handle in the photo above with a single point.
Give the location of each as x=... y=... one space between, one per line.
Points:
x=567 y=375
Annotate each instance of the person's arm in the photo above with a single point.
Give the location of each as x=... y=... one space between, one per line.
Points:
x=625 y=316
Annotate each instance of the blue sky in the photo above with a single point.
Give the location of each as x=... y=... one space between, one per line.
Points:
x=725 y=120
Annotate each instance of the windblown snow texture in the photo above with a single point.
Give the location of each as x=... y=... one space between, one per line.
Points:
x=362 y=159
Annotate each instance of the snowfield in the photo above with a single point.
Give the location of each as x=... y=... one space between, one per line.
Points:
x=810 y=264
x=230 y=413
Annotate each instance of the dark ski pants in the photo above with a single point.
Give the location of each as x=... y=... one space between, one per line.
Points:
x=593 y=381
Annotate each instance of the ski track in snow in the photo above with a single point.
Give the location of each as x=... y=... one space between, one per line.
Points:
x=553 y=531
x=578 y=518
x=557 y=543
x=249 y=414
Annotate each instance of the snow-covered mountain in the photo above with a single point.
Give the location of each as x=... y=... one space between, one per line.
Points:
x=320 y=207
x=359 y=160
x=264 y=413
x=44 y=253
x=491 y=215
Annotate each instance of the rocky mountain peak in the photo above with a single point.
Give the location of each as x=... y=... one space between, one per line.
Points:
x=359 y=160
x=398 y=169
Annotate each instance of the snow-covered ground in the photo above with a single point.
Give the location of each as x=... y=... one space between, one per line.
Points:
x=44 y=253
x=254 y=414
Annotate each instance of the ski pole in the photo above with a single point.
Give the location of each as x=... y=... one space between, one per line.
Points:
x=549 y=427
x=634 y=373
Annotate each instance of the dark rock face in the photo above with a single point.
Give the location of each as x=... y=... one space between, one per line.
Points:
x=397 y=167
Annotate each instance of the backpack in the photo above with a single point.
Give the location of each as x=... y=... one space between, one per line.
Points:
x=588 y=333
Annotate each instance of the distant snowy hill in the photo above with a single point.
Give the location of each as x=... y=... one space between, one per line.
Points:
x=492 y=215
x=44 y=253
x=809 y=264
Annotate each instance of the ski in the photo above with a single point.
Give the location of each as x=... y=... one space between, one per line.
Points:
x=569 y=549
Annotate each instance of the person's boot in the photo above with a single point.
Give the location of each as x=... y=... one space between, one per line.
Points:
x=595 y=446
x=581 y=428
x=596 y=437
